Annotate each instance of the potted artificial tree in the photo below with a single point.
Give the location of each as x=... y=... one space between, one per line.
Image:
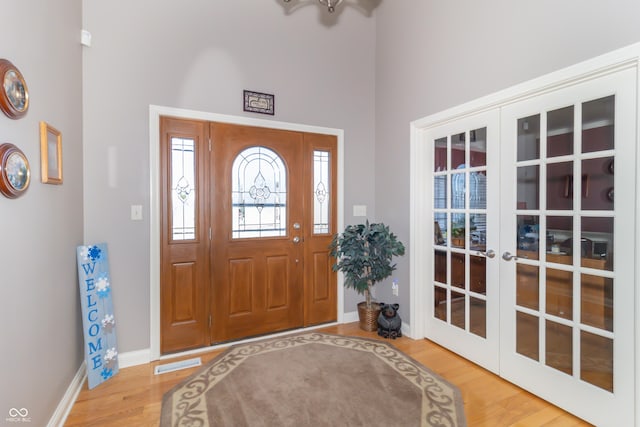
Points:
x=364 y=253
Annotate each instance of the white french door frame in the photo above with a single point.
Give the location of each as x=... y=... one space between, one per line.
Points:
x=421 y=193
x=155 y=112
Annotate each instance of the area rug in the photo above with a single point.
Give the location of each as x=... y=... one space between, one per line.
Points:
x=313 y=379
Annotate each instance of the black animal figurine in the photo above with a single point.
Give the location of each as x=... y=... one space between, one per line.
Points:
x=389 y=322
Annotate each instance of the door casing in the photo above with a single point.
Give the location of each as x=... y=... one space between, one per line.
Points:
x=155 y=112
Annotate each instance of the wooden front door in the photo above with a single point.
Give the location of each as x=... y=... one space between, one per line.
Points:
x=268 y=211
x=257 y=249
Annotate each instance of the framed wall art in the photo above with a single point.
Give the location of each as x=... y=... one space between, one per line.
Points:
x=15 y=173
x=50 y=154
x=257 y=102
x=14 y=95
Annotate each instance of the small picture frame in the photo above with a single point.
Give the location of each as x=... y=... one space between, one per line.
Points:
x=257 y=102
x=50 y=154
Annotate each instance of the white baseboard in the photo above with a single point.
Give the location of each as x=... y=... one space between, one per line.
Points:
x=64 y=407
x=350 y=317
x=406 y=331
x=131 y=358
x=134 y=358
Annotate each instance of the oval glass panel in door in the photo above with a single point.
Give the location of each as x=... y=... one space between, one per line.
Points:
x=259 y=194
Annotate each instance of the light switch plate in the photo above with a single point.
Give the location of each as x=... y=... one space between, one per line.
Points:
x=85 y=38
x=136 y=212
x=359 y=210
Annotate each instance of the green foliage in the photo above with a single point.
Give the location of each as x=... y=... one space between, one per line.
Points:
x=364 y=253
x=457 y=232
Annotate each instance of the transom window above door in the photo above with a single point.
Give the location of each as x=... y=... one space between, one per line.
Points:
x=259 y=194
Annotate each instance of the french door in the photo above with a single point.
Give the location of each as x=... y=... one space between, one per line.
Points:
x=463 y=311
x=533 y=251
x=248 y=215
x=567 y=253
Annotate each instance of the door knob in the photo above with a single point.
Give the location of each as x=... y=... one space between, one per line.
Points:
x=296 y=239
x=508 y=257
x=489 y=254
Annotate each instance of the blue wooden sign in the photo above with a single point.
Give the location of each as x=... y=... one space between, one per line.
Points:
x=99 y=326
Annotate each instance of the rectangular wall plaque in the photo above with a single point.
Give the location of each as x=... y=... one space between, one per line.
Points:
x=257 y=102
x=99 y=326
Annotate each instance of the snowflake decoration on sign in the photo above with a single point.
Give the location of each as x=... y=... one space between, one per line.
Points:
x=102 y=286
x=106 y=373
x=108 y=323
x=94 y=252
x=110 y=357
x=111 y=354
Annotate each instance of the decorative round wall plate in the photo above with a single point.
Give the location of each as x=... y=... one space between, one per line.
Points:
x=14 y=95
x=15 y=174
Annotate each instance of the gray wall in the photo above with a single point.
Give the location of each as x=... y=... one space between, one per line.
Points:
x=40 y=333
x=201 y=56
x=432 y=55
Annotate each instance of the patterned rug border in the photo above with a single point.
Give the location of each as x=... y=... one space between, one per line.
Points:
x=435 y=413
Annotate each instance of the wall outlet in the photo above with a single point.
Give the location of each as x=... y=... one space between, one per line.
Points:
x=394 y=287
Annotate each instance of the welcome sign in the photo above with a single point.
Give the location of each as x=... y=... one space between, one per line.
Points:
x=99 y=325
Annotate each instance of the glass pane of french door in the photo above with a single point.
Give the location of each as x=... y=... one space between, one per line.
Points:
x=564 y=335
x=463 y=279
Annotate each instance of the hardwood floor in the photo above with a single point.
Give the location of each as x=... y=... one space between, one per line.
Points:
x=134 y=396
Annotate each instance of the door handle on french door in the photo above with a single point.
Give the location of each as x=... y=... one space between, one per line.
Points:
x=489 y=254
x=296 y=239
x=508 y=257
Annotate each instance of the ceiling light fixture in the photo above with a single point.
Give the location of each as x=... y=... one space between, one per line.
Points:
x=330 y=4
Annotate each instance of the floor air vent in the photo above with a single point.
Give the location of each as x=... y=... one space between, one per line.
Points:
x=176 y=366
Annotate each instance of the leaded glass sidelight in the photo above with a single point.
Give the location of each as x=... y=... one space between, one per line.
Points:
x=321 y=192
x=183 y=194
x=259 y=194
